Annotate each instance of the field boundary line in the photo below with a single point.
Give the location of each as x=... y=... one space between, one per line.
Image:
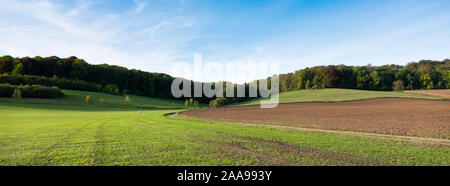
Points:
x=436 y=98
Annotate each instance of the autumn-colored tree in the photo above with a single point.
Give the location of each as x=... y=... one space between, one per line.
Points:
x=88 y=99
x=127 y=100
x=17 y=94
x=18 y=70
x=398 y=85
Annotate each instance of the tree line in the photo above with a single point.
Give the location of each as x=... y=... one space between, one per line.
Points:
x=77 y=74
x=112 y=78
x=425 y=74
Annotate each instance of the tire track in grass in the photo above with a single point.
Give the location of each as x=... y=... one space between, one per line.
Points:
x=289 y=150
x=131 y=138
x=238 y=148
x=340 y=158
x=43 y=155
x=95 y=153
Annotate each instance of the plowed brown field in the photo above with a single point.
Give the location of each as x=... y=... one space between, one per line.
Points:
x=395 y=116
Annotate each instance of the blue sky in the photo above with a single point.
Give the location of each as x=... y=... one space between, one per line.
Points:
x=154 y=34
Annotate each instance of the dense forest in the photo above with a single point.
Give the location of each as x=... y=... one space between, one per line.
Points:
x=425 y=74
x=74 y=73
x=108 y=76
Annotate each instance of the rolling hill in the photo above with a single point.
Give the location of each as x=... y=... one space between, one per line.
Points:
x=334 y=94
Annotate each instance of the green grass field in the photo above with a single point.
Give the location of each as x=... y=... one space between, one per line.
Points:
x=334 y=94
x=75 y=97
x=39 y=134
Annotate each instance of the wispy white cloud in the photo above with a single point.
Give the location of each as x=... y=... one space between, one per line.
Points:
x=82 y=5
x=45 y=28
x=139 y=6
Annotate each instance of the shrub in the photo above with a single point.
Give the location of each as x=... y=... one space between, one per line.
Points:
x=186 y=103
x=112 y=89
x=398 y=85
x=27 y=90
x=218 y=102
x=102 y=101
x=33 y=91
x=45 y=81
x=195 y=104
x=46 y=92
x=16 y=94
x=127 y=100
x=88 y=99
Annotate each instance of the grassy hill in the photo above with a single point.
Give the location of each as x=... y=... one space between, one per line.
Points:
x=75 y=97
x=333 y=94
x=44 y=134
